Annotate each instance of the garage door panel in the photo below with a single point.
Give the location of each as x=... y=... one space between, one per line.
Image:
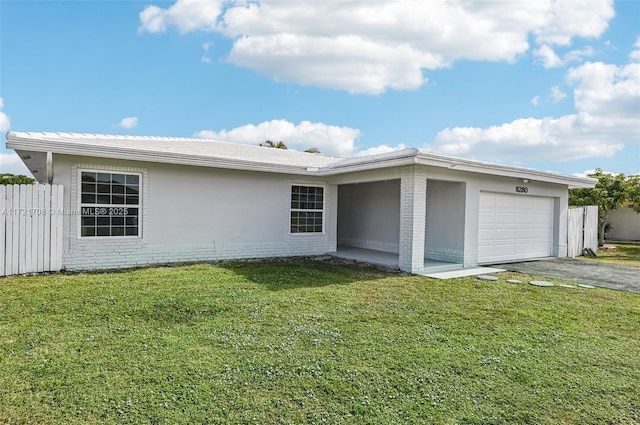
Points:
x=514 y=227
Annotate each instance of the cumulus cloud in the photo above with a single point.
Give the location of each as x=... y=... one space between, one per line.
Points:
x=381 y=149
x=128 y=122
x=5 y=123
x=370 y=47
x=329 y=139
x=606 y=99
x=185 y=15
x=535 y=101
x=556 y=94
x=550 y=59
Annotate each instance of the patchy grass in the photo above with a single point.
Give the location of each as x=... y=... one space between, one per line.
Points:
x=626 y=254
x=309 y=342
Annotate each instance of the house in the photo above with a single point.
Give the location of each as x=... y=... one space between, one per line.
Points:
x=149 y=200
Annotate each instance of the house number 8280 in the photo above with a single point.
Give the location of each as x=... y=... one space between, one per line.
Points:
x=522 y=189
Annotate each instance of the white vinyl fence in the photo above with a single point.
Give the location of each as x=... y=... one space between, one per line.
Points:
x=30 y=228
x=582 y=230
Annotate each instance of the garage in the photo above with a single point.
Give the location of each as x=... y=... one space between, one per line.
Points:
x=514 y=227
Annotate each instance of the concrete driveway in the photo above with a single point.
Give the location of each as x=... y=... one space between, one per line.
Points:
x=596 y=273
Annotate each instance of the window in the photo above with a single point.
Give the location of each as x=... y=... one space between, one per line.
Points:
x=307 y=204
x=109 y=204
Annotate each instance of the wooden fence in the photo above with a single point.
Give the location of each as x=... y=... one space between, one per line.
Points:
x=582 y=230
x=30 y=228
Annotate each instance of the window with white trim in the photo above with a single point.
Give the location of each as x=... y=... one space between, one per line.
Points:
x=307 y=209
x=109 y=204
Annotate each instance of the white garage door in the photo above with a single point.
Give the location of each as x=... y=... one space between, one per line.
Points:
x=514 y=227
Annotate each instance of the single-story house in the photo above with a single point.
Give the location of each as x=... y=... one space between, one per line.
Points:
x=153 y=200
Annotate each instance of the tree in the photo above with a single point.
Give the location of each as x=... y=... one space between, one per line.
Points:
x=312 y=150
x=271 y=144
x=7 y=178
x=609 y=193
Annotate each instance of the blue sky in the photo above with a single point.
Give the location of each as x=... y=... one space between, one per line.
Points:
x=553 y=85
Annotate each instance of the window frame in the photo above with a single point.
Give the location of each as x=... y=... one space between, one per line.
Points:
x=321 y=211
x=82 y=205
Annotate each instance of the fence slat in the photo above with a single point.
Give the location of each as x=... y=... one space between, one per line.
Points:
x=15 y=228
x=574 y=232
x=56 y=227
x=591 y=227
x=31 y=228
x=3 y=220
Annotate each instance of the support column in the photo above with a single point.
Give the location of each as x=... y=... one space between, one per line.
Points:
x=413 y=210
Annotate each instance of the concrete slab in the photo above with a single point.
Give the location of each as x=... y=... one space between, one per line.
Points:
x=585 y=272
x=464 y=273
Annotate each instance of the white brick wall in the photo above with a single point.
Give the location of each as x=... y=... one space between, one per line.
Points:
x=114 y=252
x=413 y=201
x=369 y=244
x=445 y=254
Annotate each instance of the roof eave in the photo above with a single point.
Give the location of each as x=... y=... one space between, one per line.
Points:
x=458 y=164
x=63 y=148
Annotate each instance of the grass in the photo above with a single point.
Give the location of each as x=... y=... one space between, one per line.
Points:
x=298 y=341
x=626 y=254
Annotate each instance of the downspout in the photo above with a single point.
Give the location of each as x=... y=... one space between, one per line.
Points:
x=49 y=167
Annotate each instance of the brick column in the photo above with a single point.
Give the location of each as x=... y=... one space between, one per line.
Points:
x=413 y=209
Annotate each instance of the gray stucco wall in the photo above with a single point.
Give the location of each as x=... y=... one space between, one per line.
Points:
x=625 y=225
x=369 y=215
x=195 y=214
x=445 y=221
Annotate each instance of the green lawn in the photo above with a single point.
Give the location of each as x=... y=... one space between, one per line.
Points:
x=625 y=254
x=299 y=341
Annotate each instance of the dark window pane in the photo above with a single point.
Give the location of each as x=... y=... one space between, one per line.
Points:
x=132 y=200
x=104 y=188
x=132 y=179
x=102 y=231
x=131 y=221
x=88 y=231
x=88 y=188
x=88 y=199
x=117 y=221
x=88 y=177
x=118 y=178
x=131 y=190
x=117 y=188
x=117 y=231
x=103 y=221
x=318 y=228
x=104 y=178
x=88 y=221
x=117 y=199
x=131 y=231
x=103 y=199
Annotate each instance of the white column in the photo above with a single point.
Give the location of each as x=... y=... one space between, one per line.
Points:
x=413 y=209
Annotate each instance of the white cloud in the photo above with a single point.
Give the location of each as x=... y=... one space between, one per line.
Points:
x=381 y=149
x=329 y=139
x=205 y=49
x=11 y=163
x=535 y=101
x=5 y=123
x=550 y=59
x=556 y=94
x=128 y=122
x=185 y=15
x=606 y=99
x=370 y=47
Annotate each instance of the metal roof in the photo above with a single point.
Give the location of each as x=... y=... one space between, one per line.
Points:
x=214 y=153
